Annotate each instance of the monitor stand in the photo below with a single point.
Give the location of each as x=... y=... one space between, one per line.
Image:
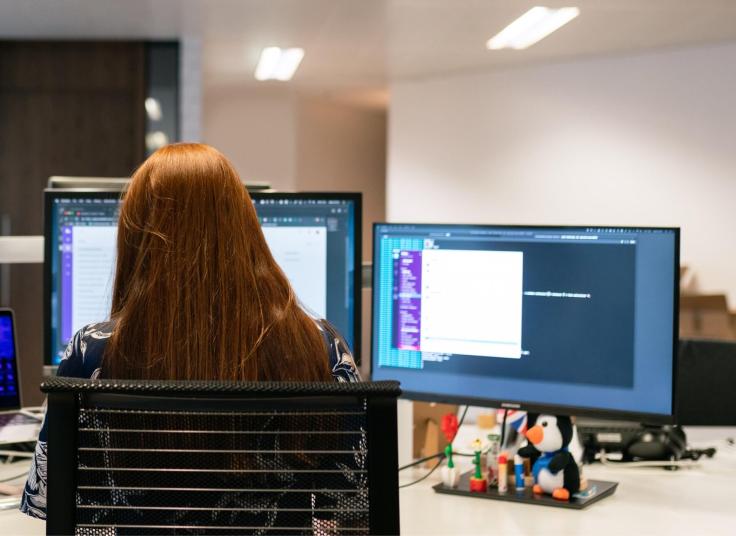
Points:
x=595 y=491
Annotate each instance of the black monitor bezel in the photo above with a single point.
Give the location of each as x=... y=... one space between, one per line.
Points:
x=93 y=193
x=357 y=199
x=556 y=409
x=49 y=194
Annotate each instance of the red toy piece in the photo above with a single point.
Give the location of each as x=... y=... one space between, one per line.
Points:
x=449 y=426
x=479 y=485
x=450 y=473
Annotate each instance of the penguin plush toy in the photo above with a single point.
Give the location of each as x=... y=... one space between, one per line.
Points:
x=555 y=470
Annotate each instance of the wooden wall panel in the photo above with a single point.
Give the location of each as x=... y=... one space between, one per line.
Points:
x=66 y=108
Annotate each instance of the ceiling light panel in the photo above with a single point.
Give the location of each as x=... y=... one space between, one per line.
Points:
x=278 y=63
x=531 y=27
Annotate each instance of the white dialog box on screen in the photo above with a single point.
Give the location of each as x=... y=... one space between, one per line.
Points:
x=471 y=302
x=301 y=252
x=93 y=266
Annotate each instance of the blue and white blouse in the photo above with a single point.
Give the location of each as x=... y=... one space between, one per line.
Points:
x=82 y=359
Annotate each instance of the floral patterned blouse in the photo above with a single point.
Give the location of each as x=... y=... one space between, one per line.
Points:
x=82 y=359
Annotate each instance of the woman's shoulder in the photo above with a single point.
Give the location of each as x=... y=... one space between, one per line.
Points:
x=342 y=363
x=84 y=353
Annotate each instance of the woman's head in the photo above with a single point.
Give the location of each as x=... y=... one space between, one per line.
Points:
x=197 y=293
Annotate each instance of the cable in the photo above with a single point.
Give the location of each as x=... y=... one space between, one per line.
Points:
x=440 y=455
x=14 y=477
x=462 y=419
x=696 y=454
x=16 y=454
x=422 y=460
x=436 y=455
x=647 y=463
x=439 y=462
x=27 y=412
x=503 y=428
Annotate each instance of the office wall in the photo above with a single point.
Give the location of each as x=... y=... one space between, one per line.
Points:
x=301 y=142
x=343 y=148
x=190 y=88
x=648 y=139
x=256 y=129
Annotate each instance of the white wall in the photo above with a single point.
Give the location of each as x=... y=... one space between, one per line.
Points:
x=190 y=82
x=343 y=148
x=256 y=129
x=302 y=143
x=638 y=140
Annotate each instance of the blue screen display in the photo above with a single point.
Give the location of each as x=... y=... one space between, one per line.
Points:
x=315 y=239
x=9 y=393
x=578 y=318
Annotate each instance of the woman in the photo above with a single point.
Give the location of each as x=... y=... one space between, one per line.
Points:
x=197 y=294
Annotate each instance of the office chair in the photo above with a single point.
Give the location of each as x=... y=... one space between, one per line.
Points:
x=165 y=457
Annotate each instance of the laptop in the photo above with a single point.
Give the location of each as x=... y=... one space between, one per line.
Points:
x=16 y=425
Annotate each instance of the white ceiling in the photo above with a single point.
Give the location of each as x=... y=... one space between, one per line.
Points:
x=364 y=44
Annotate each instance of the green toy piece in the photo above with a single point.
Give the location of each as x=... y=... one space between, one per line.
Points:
x=448 y=455
x=476 y=459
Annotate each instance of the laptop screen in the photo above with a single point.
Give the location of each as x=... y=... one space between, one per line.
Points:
x=9 y=392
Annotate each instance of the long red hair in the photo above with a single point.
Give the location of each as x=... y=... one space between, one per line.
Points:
x=197 y=293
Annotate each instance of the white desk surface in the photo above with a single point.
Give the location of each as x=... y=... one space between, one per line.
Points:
x=690 y=501
x=648 y=501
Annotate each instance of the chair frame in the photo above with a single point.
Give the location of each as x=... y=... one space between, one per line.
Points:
x=63 y=414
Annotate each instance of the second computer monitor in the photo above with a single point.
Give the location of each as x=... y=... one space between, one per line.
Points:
x=570 y=320
x=314 y=237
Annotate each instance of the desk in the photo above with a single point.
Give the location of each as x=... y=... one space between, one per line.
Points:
x=648 y=501
x=12 y=522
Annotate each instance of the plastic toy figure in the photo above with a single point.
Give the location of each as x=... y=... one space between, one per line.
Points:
x=477 y=482
x=450 y=473
x=555 y=470
x=492 y=458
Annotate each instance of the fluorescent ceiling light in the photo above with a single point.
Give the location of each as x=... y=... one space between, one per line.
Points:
x=278 y=64
x=532 y=26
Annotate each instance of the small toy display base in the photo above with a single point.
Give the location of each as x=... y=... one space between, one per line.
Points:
x=602 y=489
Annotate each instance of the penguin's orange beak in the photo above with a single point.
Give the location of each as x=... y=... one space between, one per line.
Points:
x=535 y=434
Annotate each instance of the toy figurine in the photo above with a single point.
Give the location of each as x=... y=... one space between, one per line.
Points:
x=555 y=471
x=450 y=473
x=477 y=482
x=492 y=458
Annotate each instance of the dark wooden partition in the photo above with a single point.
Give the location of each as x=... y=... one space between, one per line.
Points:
x=66 y=108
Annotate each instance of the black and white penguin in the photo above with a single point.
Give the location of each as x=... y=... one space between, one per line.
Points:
x=555 y=470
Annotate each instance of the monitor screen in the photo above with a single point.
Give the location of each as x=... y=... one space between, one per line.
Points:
x=571 y=320
x=9 y=393
x=315 y=238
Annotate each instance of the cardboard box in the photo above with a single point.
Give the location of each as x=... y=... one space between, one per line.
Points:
x=428 y=436
x=706 y=316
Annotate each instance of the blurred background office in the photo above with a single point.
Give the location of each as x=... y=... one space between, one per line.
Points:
x=624 y=116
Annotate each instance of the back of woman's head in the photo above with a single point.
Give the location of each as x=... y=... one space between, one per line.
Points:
x=197 y=293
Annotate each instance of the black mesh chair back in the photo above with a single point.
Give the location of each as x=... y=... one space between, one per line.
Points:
x=131 y=457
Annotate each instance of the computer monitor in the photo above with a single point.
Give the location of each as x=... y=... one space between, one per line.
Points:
x=567 y=320
x=315 y=238
x=9 y=381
